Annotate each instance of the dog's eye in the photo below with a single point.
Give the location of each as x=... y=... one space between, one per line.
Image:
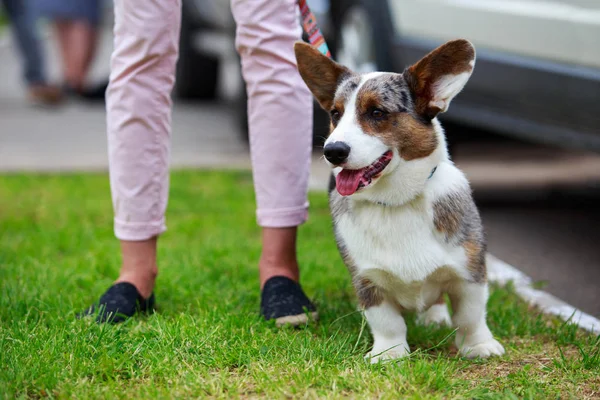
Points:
x=335 y=115
x=376 y=113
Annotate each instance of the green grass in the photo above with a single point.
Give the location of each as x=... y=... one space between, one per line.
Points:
x=58 y=253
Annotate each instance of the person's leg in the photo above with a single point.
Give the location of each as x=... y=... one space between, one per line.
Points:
x=61 y=29
x=278 y=256
x=139 y=129
x=23 y=22
x=89 y=36
x=86 y=37
x=77 y=42
x=280 y=124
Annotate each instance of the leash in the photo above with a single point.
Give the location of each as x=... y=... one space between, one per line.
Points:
x=309 y=24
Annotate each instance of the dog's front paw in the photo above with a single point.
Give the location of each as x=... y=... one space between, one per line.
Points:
x=485 y=349
x=437 y=314
x=385 y=354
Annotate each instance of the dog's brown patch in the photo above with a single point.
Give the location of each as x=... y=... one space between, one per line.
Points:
x=339 y=105
x=447 y=215
x=412 y=138
x=452 y=58
x=456 y=217
x=398 y=128
x=475 y=251
x=321 y=74
x=417 y=139
x=369 y=295
x=366 y=100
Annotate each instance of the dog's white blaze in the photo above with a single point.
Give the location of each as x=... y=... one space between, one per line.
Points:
x=365 y=149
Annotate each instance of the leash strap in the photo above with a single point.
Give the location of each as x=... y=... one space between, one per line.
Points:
x=309 y=23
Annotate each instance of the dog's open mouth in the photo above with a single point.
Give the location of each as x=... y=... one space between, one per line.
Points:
x=349 y=181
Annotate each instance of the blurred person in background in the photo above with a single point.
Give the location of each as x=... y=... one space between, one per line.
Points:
x=76 y=24
x=280 y=121
x=23 y=22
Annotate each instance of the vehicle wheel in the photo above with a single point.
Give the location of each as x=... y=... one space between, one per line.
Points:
x=197 y=74
x=363 y=32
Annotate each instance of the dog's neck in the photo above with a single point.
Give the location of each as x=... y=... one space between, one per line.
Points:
x=383 y=204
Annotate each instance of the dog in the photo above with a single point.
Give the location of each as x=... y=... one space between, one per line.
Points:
x=404 y=218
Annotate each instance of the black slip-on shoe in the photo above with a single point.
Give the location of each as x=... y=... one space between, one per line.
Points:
x=283 y=300
x=121 y=301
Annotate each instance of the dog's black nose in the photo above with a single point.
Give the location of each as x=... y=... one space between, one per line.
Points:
x=337 y=152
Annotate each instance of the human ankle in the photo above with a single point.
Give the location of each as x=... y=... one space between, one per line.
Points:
x=278 y=257
x=143 y=281
x=268 y=271
x=139 y=265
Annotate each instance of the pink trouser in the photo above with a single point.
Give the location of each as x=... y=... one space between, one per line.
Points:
x=139 y=111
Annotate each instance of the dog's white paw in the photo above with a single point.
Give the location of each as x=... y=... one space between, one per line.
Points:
x=375 y=356
x=437 y=314
x=486 y=349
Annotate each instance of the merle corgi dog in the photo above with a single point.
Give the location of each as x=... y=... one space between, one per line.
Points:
x=404 y=217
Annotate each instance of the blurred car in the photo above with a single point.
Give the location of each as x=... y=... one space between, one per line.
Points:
x=207 y=31
x=537 y=75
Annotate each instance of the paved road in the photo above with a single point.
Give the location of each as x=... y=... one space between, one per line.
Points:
x=551 y=242
x=74 y=136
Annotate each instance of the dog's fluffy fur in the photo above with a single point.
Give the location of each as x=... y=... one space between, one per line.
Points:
x=405 y=221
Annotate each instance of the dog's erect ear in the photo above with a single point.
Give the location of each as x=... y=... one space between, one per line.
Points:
x=321 y=74
x=440 y=75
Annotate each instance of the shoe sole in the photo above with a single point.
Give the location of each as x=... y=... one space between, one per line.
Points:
x=296 y=320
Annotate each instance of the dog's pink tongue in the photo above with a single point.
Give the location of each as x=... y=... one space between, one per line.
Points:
x=347 y=181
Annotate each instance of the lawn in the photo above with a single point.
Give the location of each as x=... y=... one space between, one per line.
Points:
x=58 y=253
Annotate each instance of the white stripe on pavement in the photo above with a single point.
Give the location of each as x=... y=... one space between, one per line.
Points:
x=502 y=273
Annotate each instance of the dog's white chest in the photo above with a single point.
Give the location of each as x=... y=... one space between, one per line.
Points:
x=398 y=241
